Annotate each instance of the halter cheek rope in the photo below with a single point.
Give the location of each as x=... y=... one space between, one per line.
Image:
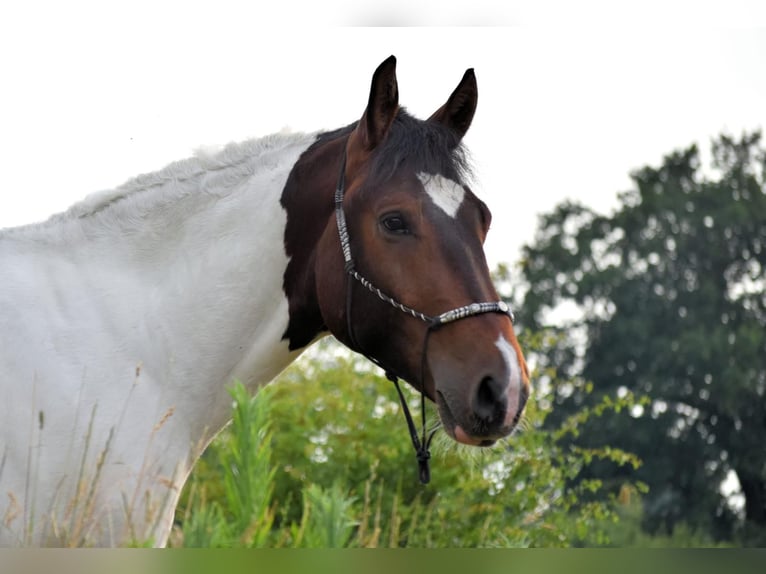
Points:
x=421 y=445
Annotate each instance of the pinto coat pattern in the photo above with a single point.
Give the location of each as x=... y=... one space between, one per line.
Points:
x=124 y=320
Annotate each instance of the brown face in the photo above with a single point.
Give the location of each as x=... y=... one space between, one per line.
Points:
x=419 y=239
x=417 y=234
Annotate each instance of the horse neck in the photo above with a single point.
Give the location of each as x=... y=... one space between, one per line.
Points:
x=308 y=199
x=147 y=303
x=186 y=276
x=221 y=267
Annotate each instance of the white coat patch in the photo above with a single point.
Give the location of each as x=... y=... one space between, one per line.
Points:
x=447 y=194
x=514 y=384
x=123 y=322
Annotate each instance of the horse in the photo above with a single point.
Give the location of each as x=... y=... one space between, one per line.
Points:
x=125 y=320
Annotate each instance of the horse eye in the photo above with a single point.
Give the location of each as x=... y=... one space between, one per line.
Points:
x=395 y=223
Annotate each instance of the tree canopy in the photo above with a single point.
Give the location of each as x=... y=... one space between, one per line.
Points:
x=665 y=298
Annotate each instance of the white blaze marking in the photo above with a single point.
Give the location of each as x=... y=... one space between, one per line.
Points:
x=446 y=194
x=514 y=384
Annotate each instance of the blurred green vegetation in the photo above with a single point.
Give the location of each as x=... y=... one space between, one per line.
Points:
x=322 y=458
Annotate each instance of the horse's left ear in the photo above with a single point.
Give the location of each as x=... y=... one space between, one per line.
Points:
x=457 y=113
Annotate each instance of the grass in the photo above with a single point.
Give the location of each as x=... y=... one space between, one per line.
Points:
x=76 y=518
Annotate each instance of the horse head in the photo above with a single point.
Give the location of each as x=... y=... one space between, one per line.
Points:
x=399 y=272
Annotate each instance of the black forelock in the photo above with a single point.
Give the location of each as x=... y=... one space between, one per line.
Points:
x=421 y=146
x=415 y=144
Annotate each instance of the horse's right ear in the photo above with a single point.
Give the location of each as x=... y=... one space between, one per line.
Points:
x=381 y=107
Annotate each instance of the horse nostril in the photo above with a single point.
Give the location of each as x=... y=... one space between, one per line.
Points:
x=490 y=400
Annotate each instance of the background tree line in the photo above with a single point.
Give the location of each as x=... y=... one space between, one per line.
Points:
x=646 y=329
x=666 y=299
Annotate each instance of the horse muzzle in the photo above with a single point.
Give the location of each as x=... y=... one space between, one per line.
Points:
x=489 y=418
x=480 y=413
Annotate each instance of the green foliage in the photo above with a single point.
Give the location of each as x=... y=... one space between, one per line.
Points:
x=249 y=476
x=327 y=518
x=665 y=299
x=242 y=516
x=342 y=473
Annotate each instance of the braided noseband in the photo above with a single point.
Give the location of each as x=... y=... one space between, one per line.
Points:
x=421 y=445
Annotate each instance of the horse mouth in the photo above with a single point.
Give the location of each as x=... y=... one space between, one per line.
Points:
x=455 y=430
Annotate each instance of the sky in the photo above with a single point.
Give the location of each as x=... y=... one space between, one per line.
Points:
x=572 y=96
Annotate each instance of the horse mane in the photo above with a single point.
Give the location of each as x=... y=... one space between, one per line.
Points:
x=219 y=167
x=211 y=171
x=421 y=146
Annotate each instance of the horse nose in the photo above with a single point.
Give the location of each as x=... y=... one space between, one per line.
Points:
x=490 y=401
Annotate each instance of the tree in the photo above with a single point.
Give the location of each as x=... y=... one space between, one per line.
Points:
x=669 y=294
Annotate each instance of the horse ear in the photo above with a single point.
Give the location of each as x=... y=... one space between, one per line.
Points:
x=457 y=113
x=381 y=107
